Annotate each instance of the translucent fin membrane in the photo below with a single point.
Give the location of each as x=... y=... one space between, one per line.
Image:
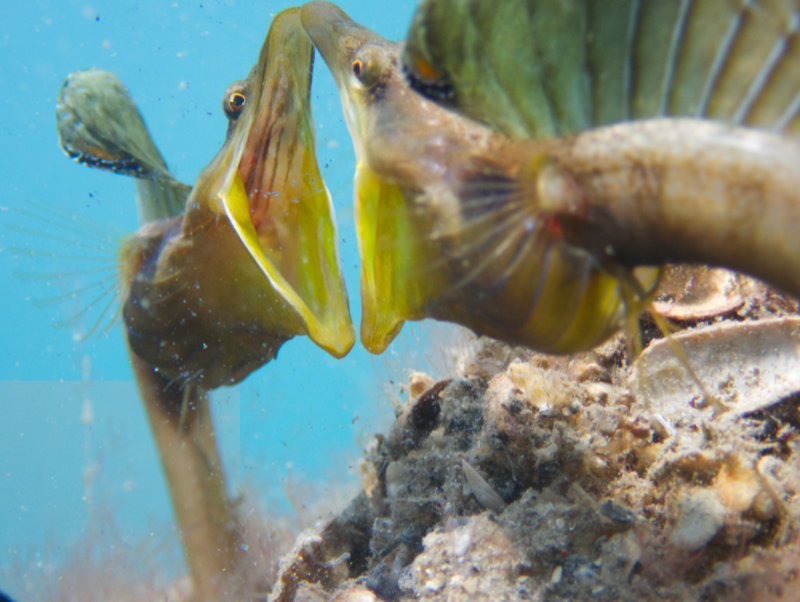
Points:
x=534 y=68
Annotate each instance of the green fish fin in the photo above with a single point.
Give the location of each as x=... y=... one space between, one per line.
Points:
x=538 y=68
x=99 y=125
x=637 y=287
x=161 y=197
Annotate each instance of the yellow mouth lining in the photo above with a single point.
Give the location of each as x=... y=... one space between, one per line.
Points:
x=331 y=327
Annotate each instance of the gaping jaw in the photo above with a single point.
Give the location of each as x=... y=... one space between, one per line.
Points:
x=364 y=66
x=446 y=212
x=338 y=39
x=266 y=181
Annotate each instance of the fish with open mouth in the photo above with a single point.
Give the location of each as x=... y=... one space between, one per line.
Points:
x=253 y=260
x=548 y=242
x=442 y=229
x=222 y=275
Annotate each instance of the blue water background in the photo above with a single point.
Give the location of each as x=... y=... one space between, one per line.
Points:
x=74 y=444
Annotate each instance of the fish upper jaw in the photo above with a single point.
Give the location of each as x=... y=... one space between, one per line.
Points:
x=345 y=46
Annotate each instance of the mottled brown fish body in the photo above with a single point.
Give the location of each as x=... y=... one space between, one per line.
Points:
x=219 y=277
x=715 y=184
x=183 y=312
x=681 y=191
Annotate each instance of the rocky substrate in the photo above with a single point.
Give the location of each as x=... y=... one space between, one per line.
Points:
x=530 y=477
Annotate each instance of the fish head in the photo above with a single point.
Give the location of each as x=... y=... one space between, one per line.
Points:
x=394 y=129
x=255 y=260
x=364 y=67
x=395 y=132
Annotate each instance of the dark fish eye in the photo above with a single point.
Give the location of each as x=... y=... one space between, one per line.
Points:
x=233 y=104
x=369 y=65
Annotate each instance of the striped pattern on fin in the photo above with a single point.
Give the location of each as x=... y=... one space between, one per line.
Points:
x=539 y=68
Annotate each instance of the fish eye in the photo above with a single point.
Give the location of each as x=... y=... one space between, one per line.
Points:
x=234 y=104
x=368 y=65
x=234 y=101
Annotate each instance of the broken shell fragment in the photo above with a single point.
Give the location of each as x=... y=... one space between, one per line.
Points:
x=747 y=365
x=483 y=492
x=692 y=293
